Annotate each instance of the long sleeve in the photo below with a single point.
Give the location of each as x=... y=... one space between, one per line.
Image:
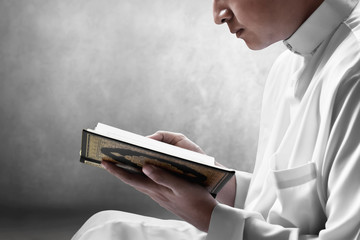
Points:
x=339 y=182
x=242 y=185
x=342 y=167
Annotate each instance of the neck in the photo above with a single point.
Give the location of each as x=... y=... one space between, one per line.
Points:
x=297 y=13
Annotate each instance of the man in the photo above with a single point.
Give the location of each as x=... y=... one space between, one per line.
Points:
x=305 y=181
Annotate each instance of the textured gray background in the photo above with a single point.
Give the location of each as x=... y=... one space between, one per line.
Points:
x=141 y=65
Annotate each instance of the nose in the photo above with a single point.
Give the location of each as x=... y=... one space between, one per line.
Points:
x=221 y=14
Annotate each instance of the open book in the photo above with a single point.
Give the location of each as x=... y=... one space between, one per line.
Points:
x=131 y=151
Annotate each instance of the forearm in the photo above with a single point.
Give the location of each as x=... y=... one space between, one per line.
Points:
x=228 y=193
x=235 y=191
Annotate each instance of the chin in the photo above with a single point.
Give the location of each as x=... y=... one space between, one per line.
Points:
x=257 y=45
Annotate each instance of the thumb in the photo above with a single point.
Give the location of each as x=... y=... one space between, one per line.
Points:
x=157 y=136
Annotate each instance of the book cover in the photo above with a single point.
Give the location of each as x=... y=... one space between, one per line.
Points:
x=96 y=147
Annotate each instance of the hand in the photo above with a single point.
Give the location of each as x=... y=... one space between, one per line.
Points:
x=227 y=193
x=189 y=201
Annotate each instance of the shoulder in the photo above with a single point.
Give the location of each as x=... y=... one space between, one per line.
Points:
x=353 y=23
x=340 y=69
x=344 y=46
x=340 y=64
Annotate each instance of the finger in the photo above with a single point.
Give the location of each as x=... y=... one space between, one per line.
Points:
x=138 y=181
x=176 y=139
x=167 y=137
x=156 y=136
x=164 y=178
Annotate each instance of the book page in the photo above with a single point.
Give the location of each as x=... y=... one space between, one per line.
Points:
x=152 y=144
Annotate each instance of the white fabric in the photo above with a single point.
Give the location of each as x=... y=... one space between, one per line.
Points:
x=242 y=184
x=116 y=225
x=306 y=181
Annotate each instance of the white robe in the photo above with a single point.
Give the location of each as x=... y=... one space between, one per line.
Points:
x=307 y=174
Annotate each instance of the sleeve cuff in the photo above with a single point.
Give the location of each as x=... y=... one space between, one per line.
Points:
x=228 y=223
x=242 y=185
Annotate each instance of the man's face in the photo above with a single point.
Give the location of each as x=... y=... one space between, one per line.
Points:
x=259 y=23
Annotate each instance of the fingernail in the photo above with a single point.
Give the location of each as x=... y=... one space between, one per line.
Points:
x=103 y=164
x=147 y=169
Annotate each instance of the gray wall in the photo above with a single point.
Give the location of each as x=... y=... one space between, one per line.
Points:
x=138 y=65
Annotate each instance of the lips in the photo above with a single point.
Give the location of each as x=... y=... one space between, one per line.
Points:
x=239 y=32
